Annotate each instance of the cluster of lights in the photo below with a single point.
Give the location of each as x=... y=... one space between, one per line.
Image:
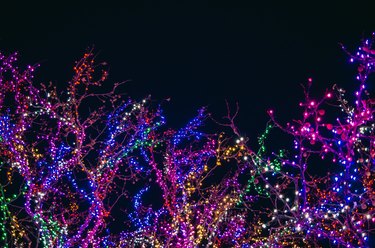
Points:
x=64 y=174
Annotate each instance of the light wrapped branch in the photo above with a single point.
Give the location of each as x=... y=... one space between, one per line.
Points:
x=83 y=168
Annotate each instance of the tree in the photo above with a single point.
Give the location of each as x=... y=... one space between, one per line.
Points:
x=83 y=168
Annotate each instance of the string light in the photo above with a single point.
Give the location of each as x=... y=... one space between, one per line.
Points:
x=66 y=169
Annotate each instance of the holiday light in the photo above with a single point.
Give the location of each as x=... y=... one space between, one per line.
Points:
x=86 y=169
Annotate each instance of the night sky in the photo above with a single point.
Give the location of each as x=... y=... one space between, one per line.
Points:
x=196 y=54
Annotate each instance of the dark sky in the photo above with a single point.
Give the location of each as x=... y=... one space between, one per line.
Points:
x=196 y=54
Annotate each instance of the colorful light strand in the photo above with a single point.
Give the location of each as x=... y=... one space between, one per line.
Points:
x=70 y=160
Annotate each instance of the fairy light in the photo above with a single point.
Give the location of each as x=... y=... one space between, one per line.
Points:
x=216 y=191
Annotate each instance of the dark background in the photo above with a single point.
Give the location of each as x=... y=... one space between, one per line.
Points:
x=196 y=54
